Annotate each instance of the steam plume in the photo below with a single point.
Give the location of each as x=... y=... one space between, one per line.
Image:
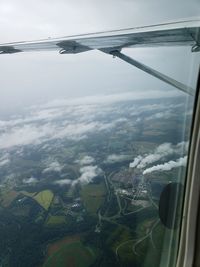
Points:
x=167 y=166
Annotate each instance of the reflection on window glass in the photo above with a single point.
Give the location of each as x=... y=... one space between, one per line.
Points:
x=82 y=179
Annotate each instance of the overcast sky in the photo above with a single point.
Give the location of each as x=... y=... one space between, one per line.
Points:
x=29 y=78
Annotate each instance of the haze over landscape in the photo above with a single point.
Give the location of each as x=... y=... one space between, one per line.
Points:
x=82 y=172
x=88 y=143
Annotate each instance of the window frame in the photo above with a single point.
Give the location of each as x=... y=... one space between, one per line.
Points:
x=191 y=205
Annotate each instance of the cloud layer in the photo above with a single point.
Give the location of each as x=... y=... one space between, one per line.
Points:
x=73 y=119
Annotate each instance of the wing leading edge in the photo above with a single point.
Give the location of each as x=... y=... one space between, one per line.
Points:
x=169 y=34
x=185 y=33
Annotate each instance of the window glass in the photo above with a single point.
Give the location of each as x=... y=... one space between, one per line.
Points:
x=92 y=170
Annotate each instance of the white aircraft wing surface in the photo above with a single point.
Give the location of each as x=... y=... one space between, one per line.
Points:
x=184 y=33
x=169 y=34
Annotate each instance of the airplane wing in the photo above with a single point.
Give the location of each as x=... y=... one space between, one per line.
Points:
x=169 y=34
x=185 y=33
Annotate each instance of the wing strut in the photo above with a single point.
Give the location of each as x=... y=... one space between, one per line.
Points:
x=154 y=73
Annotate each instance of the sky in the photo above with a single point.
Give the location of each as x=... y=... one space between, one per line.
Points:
x=32 y=78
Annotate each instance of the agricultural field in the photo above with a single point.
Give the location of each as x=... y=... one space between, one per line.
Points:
x=28 y=194
x=7 y=197
x=55 y=220
x=44 y=198
x=93 y=196
x=125 y=253
x=120 y=235
x=55 y=246
x=70 y=252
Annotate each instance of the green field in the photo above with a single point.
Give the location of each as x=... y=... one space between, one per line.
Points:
x=126 y=255
x=55 y=220
x=93 y=196
x=118 y=236
x=44 y=198
x=7 y=197
x=28 y=194
x=73 y=254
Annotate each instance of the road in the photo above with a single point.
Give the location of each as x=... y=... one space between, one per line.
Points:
x=149 y=234
x=111 y=189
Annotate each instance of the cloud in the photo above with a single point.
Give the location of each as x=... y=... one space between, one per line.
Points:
x=4 y=160
x=54 y=166
x=76 y=131
x=110 y=98
x=36 y=134
x=160 y=152
x=182 y=147
x=87 y=174
x=31 y=180
x=121 y=120
x=161 y=115
x=181 y=162
x=86 y=160
x=72 y=119
x=41 y=126
x=63 y=182
x=24 y=135
x=116 y=158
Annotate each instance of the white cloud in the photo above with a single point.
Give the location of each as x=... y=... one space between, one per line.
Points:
x=63 y=182
x=86 y=160
x=4 y=160
x=138 y=120
x=36 y=134
x=160 y=115
x=53 y=166
x=87 y=174
x=23 y=135
x=168 y=165
x=110 y=98
x=182 y=147
x=116 y=158
x=72 y=119
x=31 y=180
x=121 y=120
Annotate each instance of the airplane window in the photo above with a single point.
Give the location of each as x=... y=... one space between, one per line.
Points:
x=93 y=156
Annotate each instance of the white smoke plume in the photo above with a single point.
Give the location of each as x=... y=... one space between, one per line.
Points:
x=135 y=162
x=168 y=165
x=160 y=152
